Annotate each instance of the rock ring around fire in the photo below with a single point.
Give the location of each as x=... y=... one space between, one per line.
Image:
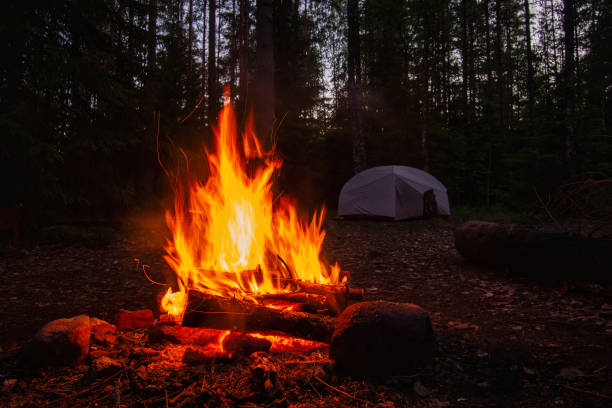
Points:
x=382 y=338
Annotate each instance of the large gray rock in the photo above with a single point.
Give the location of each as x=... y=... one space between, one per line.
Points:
x=382 y=338
x=60 y=342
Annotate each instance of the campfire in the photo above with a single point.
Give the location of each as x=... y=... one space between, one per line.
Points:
x=254 y=311
x=244 y=260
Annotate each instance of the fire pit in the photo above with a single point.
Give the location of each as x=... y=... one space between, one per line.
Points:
x=244 y=260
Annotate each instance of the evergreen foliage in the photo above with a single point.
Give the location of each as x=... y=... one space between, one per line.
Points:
x=445 y=85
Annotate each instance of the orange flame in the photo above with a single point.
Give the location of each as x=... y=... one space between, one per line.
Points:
x=226 y=233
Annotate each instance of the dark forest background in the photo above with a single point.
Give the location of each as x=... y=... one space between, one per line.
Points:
x=502 y=100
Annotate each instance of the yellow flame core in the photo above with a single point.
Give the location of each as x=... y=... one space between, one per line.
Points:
x=226 y=232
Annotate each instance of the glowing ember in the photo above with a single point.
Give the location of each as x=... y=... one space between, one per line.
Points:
x=281 y=344
x=212 y=342
x=228 y=232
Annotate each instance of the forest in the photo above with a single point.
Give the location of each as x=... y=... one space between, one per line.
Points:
x=503 y=101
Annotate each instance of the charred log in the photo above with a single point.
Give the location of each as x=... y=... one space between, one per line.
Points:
x=315 y=296
x=535 y=254
x=202 y=310
x=337 y=295
x=304 y=302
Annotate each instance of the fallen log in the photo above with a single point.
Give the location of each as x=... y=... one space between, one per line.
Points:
x=203 y=310
x=536 y=254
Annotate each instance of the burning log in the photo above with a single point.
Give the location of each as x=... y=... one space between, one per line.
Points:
x=303 y=302
x=536 y=254
x=337 y=295
x=317 y=297
x=202 y=310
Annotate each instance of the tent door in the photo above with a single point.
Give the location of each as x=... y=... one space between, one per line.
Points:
x=430 y=205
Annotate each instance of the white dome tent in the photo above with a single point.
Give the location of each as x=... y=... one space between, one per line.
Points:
x=397 y=192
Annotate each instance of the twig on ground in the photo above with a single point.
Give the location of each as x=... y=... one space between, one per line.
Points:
x=337 y=389
x=86 y=390
x=545 y=207
x=593 y=393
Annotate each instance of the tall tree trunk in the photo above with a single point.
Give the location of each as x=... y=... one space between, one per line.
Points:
x=264 y=72
x=487 y=104
x=569 y=78
x=190 y=43
x=243 y=62
x=354 y=86
x=151 y=53
x=509 y=82
x=464 y=57
x=529 y=65
x=499 y=60
x=471 y=68
x=554 y=40
x=233 y=46
x=213 y=97
x=204 y=68
x=150 y=159
x=489 y=65
x=131 y=44
x=424 y=85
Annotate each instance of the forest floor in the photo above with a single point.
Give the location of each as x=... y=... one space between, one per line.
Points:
x=501 y=340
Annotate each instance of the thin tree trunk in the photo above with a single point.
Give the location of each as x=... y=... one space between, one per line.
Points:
x=233 y=48
x=487 y=104
x=190 y=42
x=264 y=83
x=471 y=69
x=243 y=63
x=204 y=69
x=148 y=174
x=151 y=48
x=213 y=97
x=425 y=94
x=489 y=66
x=569 y=94
x=509 y=83
x=464 y=58
x=529 y=65
x=554 y=40
x=354 y=86
x=499 y=61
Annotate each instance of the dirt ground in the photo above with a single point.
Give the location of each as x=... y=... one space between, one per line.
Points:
x=501 y=340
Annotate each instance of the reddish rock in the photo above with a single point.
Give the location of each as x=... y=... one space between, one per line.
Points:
x=382 y=338
x=60 y=342
x=102 y=331
x=133 y=319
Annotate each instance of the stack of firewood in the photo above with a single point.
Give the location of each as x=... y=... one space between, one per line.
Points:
x=306 y=312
